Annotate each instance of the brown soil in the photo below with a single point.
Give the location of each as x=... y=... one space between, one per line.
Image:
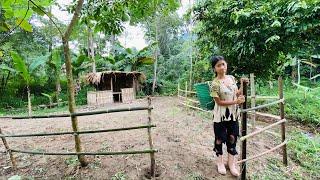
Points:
x=183 y=137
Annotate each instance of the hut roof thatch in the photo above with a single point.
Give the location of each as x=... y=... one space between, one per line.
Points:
x=97 y=78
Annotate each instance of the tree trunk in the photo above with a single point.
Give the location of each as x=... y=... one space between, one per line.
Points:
x=58 y=86
x=156 y=61
x=191 y=49
x=112 y=42
x=91 y=49
x=71 y=99
x=56 y=71
x=29 y=101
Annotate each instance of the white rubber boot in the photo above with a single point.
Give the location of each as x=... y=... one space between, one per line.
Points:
x=233 y=166
x=220 y=165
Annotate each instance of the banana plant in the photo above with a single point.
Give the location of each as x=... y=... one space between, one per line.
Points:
x=49 y=97
x=25 y=71
x=55 y=63
x=129 y=59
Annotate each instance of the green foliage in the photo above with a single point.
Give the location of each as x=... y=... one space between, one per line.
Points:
x=252 y=35
x=20 y=66
x=298 y=107
x=126 y=59
x=20 y=12
x=72 y=161
x=306 y=152
x=303 y=149
x=119 y=176
x=108 y=17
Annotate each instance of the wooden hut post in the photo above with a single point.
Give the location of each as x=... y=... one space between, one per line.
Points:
x=13 y=161
x=283 y=125
x=111 y=83
x=152 y=156
x=244 y=132
x=253 y=99
x=134 y=84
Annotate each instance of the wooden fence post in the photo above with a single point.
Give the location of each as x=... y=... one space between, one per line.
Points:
x=152 y=156
x=253 y=99
x=244 y=132
x=13 y=161
x=283 y=125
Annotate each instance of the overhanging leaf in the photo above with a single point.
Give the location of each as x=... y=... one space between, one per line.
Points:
x=146 y=60
x=20 y=66
x=37 y=62
x=24 y=24
x=5 y=67
x=273 y=38
x=56 y=59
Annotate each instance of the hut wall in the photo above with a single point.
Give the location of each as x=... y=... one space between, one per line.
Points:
x=104 y=97
x=128 y=95
x=91 y=98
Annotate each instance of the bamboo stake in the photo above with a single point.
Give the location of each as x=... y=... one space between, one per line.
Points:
x=243 y=133
x=8 y=150
x=152 y=156
x=253 y=98
x=178 y=89
x=299 y=71
x=266 y=152
x=283 y=125
x=186 y=89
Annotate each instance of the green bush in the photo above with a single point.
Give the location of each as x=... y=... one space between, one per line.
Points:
x=297 y=106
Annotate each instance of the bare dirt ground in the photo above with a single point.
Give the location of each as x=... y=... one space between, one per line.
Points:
x=183 y=137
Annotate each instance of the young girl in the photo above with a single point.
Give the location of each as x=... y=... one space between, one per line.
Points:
x=226 y=113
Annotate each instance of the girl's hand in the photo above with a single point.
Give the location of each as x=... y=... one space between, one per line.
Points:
x=244 y=79
x=240 y=99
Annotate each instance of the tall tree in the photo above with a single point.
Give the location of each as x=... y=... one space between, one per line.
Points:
x=257 y=36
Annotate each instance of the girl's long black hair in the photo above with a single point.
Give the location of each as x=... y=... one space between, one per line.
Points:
x=214 y=60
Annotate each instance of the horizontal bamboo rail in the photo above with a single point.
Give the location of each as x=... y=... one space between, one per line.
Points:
x=262 y=129
x=191 y=92
x=266 y=152
x=80 y=132
x=80 y=113
x=263 y=106
x=151 y=150
x=270 y=132
x=187 y=99
x=86 y=153
x=267 y=115
x=264 y=97
x=193 y=107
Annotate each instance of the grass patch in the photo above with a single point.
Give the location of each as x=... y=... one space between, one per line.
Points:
x=298 y=107
x=304 y=160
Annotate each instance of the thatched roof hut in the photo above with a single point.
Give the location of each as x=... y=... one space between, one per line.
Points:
x=115 y=80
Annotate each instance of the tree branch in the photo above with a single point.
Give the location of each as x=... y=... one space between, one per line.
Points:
x=60 y=32
x=17 y=25
x=74 y=19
